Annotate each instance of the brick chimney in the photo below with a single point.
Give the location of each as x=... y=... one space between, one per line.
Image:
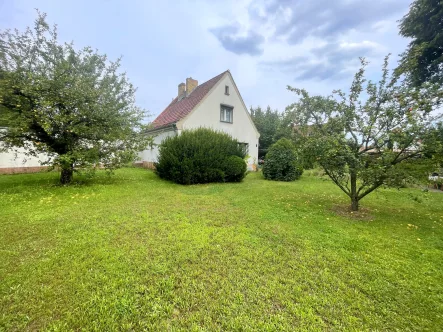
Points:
x=191 y=84
x=181 y=90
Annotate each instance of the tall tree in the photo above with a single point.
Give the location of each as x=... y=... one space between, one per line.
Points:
x=360 y=138
x=267 y=123
x=423 y=59
x=73 y=106
x=436 y=152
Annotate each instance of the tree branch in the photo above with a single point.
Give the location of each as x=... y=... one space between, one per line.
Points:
x=370 y=189
x=333 y=178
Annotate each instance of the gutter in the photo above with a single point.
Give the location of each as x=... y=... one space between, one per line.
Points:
x=162 y=129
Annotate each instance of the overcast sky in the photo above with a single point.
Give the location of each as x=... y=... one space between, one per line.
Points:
x=267 y=45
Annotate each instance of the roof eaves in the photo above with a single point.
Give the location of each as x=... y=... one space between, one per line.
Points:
x=161 y=128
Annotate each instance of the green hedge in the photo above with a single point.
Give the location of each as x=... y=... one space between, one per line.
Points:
x=201 y=156
x=235 y=169
x=281 y=162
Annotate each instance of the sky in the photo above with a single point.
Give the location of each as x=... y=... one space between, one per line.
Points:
x=267 y=45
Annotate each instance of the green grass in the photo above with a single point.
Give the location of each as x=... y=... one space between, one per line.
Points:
x=133 y=252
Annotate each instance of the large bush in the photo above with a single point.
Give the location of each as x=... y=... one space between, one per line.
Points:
x=201 y=156
x=281 y=162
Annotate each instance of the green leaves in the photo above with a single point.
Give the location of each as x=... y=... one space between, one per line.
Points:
x=201 y=156
x=268 y=124
x=423 y=59
x=73 y=105
x=361 y=137
x=282 y=162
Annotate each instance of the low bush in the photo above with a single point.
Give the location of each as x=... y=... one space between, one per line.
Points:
x=201 y=156
x=282 y=163
x=235 y=169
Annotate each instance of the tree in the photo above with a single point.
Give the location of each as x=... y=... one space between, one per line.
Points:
x=73 y=106
x=289 y=129
x=282 y=162
x=423 y=59
x=435 y=152
x=267 y=123
x=360 y=138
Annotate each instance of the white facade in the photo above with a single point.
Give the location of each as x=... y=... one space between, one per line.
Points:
x=207 y=114
x=13 y=161
x=151 y=154
x=17 y=159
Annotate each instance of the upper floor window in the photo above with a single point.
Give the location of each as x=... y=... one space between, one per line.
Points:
x=226 y=113
x=226 y=90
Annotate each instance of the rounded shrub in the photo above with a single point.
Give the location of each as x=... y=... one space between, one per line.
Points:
x=235 y=169
x=200 y=156
x=282 y=163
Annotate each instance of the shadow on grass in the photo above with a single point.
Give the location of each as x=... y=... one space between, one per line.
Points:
x=45 y=180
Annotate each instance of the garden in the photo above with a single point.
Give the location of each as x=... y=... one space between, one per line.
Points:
x=137 y=252
x=331 y=234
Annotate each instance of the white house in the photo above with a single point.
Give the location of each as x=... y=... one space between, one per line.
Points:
x=215 y=104
x=18 y=161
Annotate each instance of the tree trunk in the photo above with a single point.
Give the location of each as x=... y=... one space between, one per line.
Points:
x=66 y=175
x=354 y=204
x=354 y=195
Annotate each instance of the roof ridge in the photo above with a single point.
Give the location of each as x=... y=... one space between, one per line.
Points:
x=178 y=109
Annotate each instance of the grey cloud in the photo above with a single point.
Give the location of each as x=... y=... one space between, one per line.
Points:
x=334 y=52
x=303 y=69
x=255 y=15
x=328 y=19
x=250 y=44
x=330 y=61
x=294 y=21
x=322 y=72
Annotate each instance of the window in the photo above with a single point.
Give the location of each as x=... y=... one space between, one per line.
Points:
x=226 y=113
x=226 y=90
x=245 y=147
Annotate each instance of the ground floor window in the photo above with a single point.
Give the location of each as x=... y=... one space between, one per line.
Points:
x=245 y=147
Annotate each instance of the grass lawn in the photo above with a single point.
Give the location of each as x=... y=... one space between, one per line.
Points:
x=133 y=252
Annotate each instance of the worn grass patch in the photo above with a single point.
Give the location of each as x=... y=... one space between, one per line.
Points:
x=344 y=210
x=133 y=252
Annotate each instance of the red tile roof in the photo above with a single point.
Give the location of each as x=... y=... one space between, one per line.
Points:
x=178 y=109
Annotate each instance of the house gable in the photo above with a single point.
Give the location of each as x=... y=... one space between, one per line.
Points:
x=244 y=105
x=182 y=105
x=207 y=112
x=202 y=108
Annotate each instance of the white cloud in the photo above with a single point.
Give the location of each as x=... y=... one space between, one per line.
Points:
x=310 y=44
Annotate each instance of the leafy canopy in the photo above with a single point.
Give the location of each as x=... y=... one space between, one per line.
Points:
x=282 y=162
x=201 y=156
x=360 y=138
x=423 y=59
x=268 y=124
x=72 y=106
